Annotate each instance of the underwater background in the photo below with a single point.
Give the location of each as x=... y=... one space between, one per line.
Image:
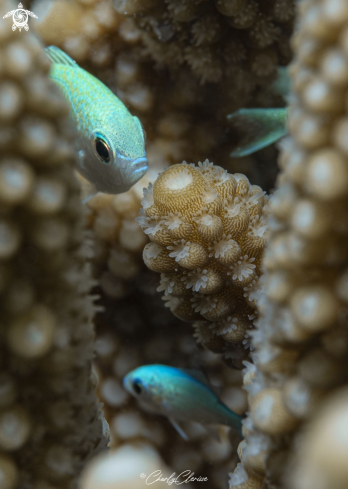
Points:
x=234 y=269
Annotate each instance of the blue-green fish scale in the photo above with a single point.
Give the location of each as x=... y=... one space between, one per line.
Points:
x=97 y=106
x=110 y=141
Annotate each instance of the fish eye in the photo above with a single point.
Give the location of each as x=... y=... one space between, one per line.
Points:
x=102 y=149
x=137 y=386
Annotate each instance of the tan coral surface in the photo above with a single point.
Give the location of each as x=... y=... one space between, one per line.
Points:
x=208 y=231
x=320 y=460
x=50 y=422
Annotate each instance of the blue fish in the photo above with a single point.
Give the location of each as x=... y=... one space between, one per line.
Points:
x=111 y=142
x=181 y=395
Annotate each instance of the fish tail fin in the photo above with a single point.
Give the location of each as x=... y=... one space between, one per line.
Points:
x=260 y=128
x=58 y=56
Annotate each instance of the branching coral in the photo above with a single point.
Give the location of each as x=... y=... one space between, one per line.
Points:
x=300 y=341
x=50 y=423
x=207 y=230
x=206 y=35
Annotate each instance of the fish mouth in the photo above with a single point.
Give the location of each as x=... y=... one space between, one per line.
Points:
x=138 y=168
x=126 y=382
x=130 y=171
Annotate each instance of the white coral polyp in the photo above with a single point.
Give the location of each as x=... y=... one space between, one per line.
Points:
x=197 y=280
x=243 y=268
x=180 y=249
x=204 y=218
x=209 y=195
x=256 y=444
x=172 y=302
x=148 y=224
x=166 y=284
x=202 y=333
x=233 y=207
x=251 y=200
x=173 y=221
x=142 y=219
x=258 y=227
x=250 y=368
x=216 y=173
x=238 y=477
x=247 y=342
x=221 y=247
x=253 y=291
x=152 y=251
x=153 y=227
x=221 y=175
x=206 y=166
x=203 y=304
x=147 y=200
x=180 y=180
x=226 y=326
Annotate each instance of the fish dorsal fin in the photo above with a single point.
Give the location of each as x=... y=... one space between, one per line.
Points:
x=58 y=56
x=202 y=378
x=197 y=375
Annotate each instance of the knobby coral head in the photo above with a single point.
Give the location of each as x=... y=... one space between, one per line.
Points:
x=208 y=231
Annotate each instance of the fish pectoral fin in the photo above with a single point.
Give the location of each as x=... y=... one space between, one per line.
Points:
x=58 y=56
x=178 y=429
x=258 y=128
x=86 y=199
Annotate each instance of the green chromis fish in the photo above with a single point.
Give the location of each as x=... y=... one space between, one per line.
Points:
x=111 y=142
x=261 y=127
x=181 y=395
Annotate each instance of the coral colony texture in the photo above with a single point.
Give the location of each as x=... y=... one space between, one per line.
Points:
x=213 y=39
x=207 y=231
x=301 y=339
x=137 y=329
x=50 y=422
x=184 y=83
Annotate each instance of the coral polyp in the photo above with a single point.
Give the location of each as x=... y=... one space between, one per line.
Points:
x=221 y=222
